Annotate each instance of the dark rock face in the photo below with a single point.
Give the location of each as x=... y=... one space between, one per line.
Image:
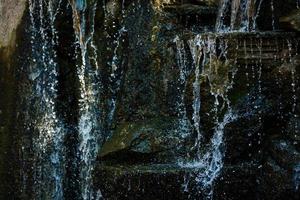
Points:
x=153 y=138
x=275 y=156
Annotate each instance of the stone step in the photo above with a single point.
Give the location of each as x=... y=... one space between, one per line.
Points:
x=167 y=181
x=140 y=181
x=191 y=9
x=256 y=47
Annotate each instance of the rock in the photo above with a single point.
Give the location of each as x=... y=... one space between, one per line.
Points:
x=277 y=183
x=242 y=140
x=218 y=73
x=190 y=9
x=11 y=13
x=237 y=182
x=156 y=138
x=284 y=154
x=141 y=182
x=292 y=21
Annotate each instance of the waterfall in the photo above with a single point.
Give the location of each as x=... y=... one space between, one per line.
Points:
x=49 y=133
x=242 y=15
x=206 y=63
x=89 y=126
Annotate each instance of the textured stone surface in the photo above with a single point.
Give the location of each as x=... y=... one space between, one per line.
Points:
x=11 y=13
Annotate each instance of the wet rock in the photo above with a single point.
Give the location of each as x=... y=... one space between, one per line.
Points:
x=191 y=9
x=141 y=182
x=285 y=154
x=156 y=139
x=237 y=182
x=241 y=140
x=292 y=21
x=277 y=183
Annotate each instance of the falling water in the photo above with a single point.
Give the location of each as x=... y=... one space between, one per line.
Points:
x=297 y=176
x=89 y=122
x=115 y=64
x=293 y=71
x=243 y=15
x=212 y=160
x=259 y=80
x=48 y=148
x=273 y=14
x=206 y=62
x=49 y=133
x=196 y=46
x=184 y=73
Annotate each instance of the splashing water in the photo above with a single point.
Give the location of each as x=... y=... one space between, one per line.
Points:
x=212 y=161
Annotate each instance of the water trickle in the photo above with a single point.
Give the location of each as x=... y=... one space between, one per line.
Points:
x=259 y=80
x=115 y=74
x=293 y=71
x=184 y=73
x=297 y=176
x=196 y=46
x=273 y=14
